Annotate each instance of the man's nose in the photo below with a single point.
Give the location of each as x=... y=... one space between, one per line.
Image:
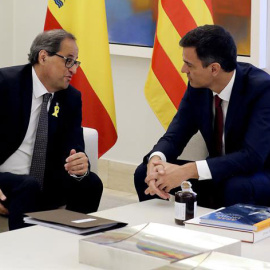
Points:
x=184 y=68
x=73 y=69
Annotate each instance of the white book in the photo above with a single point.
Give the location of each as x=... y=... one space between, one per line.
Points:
x=243 y=235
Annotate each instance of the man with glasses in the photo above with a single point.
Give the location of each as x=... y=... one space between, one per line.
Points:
x=30 y=181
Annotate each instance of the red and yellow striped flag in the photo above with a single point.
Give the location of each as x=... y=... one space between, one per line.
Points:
x=165 y=85
x=86 y=19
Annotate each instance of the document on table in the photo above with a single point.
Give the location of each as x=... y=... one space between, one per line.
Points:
x=73 y=222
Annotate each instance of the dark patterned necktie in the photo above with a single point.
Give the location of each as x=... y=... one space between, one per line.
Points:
x=218 y=125
x=40 y=148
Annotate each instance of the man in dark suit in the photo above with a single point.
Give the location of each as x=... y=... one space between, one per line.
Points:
x=67 y=178
x=238 y=166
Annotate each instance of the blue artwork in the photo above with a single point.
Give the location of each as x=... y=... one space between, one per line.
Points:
x=131 y=22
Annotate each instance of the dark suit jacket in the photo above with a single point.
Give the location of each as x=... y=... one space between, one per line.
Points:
x=64 y=132
x=247 y=126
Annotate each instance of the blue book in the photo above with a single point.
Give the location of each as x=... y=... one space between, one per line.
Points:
x=239 y=216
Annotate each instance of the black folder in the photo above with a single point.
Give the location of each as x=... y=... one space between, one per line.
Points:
x=73 y=222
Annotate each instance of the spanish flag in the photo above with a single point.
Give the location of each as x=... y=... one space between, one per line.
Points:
x=86 y=19
x=165 y=85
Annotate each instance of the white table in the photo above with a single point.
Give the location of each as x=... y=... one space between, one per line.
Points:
x=163 y=212
x=43 y=248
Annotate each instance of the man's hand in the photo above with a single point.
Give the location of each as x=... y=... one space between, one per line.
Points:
x=3 y=210
x=152 y=172
x=154 y=190
x=170 y=177
x=76 y=163
x=152 y=168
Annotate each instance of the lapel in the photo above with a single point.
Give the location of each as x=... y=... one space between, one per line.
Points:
x=235 y=100
x=16 y=109
x=26 y=86
x=55 y=113
x=207 y=121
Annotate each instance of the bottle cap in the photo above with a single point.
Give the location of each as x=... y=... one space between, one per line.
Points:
x=186 y=185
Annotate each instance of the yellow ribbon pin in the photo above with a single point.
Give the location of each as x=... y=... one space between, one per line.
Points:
x=56 y=110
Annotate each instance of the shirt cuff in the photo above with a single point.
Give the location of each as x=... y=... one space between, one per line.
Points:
x=79 y=177
x=160 y=154
x=203 y=170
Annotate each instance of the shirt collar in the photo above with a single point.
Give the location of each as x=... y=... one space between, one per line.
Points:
x=38 y=88
x=225 y=94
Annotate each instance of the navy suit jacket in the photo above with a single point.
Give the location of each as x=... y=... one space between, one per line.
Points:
x=65 y=132
x=247 y=126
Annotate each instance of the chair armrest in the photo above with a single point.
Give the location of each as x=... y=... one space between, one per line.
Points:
x=90 y=136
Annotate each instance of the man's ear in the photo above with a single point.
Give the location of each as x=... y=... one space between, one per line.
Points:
x=42 y=57
x=215 y=68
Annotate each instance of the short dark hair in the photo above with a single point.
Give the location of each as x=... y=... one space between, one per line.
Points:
x=49 y=41
x=213 y=44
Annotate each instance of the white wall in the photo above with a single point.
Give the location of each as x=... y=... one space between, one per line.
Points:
x=29 y=17
x=138 y=128
x=6 y=33
x=20 y=22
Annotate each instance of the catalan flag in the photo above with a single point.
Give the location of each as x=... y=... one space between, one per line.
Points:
x=165 y=85
x=86 y=19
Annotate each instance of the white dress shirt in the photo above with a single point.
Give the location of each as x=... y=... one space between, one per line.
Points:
x=20 y=161
x=202 y=166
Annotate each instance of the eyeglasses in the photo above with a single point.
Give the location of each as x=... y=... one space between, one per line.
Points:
x=69 y=63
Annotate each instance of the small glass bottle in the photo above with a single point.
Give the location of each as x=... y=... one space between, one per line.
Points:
x=185 y=203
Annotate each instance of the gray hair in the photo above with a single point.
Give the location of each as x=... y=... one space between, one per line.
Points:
x=49 y=41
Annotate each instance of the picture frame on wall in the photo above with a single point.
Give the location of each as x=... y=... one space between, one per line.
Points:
x=131 y=27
